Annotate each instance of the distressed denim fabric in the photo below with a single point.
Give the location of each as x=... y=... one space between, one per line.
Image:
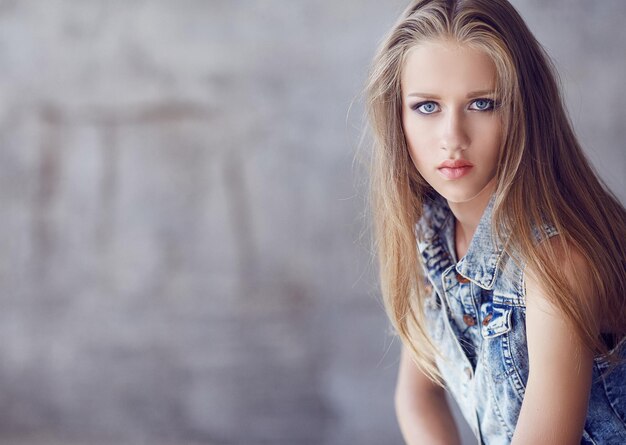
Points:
x=476 y=315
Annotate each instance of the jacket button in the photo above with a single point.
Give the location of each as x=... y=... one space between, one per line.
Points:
x=487 y=319
x=461 y=279
x=469 y=320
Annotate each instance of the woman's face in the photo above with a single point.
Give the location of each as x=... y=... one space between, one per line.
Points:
x=448 y=115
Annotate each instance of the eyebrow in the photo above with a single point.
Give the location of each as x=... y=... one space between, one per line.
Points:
x=469 y=95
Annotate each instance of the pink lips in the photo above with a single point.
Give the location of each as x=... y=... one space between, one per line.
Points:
x=454 y=169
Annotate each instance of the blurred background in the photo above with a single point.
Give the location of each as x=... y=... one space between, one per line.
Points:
x=186 y=249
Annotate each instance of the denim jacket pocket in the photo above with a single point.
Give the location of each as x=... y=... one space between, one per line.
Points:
x=496 y=319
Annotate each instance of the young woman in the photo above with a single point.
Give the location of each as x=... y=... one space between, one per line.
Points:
x=502 y=255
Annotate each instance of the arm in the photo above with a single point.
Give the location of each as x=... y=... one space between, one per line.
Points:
x=560 y=371
x=421 y=407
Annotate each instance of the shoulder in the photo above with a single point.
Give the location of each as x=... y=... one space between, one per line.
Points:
x=557 y=299
x=562 y=278
x=562 y=309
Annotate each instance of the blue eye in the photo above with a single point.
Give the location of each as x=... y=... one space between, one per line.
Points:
x=425 y=107
x=483 y=104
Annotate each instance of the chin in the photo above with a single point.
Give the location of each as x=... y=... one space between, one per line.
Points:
x=466 y=194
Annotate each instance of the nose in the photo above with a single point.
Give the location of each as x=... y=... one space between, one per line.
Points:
x=454 y=135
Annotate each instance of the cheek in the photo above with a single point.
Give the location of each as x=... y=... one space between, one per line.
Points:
x=489 y=139
x=494 y=128
x=418 y=144
x=421 y=162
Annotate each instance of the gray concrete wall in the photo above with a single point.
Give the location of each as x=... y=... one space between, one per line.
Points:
x=185 y=259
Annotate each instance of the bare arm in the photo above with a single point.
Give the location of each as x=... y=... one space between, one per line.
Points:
x=557 y=395
x=421 y=408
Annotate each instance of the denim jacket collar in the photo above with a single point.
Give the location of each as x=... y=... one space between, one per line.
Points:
x=480 y=263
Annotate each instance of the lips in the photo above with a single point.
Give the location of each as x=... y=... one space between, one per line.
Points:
x=455 y=163
x=454 y=169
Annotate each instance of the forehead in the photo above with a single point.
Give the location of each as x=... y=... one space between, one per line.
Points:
x=448 y=68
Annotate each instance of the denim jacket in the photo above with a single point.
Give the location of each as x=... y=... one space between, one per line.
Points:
x=476 y=314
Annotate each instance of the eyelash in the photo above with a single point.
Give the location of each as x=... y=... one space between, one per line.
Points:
x=492 y=105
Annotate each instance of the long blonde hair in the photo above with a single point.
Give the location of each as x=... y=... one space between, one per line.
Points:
x=542 y=175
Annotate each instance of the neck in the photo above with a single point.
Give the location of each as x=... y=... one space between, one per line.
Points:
x=467 y=215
